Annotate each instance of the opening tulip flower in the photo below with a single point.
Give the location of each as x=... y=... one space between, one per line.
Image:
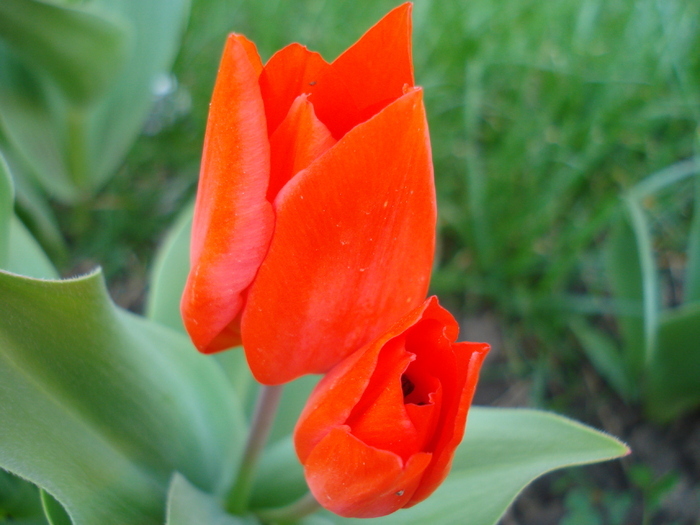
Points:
x=314 y=225
x=380 y=430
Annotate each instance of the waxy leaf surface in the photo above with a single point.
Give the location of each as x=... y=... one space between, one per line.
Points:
x=101 y=415
x=504 y=450
x=77 y=82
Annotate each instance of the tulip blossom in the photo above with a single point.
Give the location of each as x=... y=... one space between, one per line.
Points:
x=314 y=224
x=380 y=430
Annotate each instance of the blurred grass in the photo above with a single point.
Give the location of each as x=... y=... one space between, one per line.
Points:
x=541 y=113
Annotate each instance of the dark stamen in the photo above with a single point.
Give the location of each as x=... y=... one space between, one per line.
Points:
x=407 y=386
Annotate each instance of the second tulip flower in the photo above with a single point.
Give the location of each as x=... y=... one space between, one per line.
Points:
x=380 y=430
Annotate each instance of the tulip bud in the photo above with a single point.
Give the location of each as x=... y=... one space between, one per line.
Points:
x=380 y=430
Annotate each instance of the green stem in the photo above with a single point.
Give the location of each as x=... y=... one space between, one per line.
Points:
x=264 y=416
x=294 y=511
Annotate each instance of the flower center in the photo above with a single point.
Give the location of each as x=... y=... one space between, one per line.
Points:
x=407 y=386
x=415 y=392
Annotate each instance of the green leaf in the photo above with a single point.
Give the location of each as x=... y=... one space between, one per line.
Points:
x=649 y=273
x=623 y=269
x=73 y=146
x=19 y=252
x=28 y=117
x=26 y=256
x=170 y=269
x=503 y=451
x=674 y=373
x=294 y=398
x=81 y=50
x=279 y=479
x=692 y=272
x=7 y=199
x=99 y=406
x=605 y=356
x=54 y=511
x=188 y=505
x=639 y=222
x=19 y=499
x=117 y=121
x=34 y=209
x=235 y=366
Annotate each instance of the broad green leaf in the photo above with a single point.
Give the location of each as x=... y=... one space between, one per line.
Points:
x=187 y=505
x=623 y=270
x=503 y=451
x=158 y=26
x=19 y=500
x=7 y=200
x=54 y=511
x=674 y=373
x=33 y=520
x=26 y=256
x=45 y=441
x=19 y=251
x=279 y=479
x=72 y=146
x=33 y=207
x=80 y=50
x=170 y=269
x=36 y=128
x=235 y=366
x=99 y=406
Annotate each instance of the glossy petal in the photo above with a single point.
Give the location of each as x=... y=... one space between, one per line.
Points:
x=353 y=479
x=323 y=410
x=299 y=140
x=384 y=410
x=233 y=220
x=380 y=418
x=373 y=73
x=470 y=358
x=292 y=71
x=352 y=249
x=362 y=81
x=252 y=52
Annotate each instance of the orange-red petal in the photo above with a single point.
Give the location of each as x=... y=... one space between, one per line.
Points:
x=343 y=388
x=470 y=357
x=334 y=438
x=233 y=220
x=352 y=249
x=292 y=71
x=299 y=140
x=425 y=418
x=353 y=479
x=252 y=52
x=380 y=419
x=372 y=73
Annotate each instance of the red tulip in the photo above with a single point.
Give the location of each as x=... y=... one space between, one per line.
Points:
x=314 y=226
x=380 y=430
